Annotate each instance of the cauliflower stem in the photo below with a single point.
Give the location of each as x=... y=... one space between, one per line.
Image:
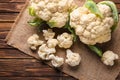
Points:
x=68 y=27
x=35 y=22
x=91 y=5
x=32 y=11
x=96 y=50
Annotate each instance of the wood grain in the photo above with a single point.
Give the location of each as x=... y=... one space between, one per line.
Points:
x=11 y=7
x=15 y=65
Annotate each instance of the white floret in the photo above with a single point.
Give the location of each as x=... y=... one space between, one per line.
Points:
x=52 y=43
x=58 y=19
x=56 y=61
x=109 y=57
x=44 y=52
x=90 y=28
x=34 y=41
x=105 y=10
x=48 y=34
x=48 y=10
x=73 y=59
x=65 y=40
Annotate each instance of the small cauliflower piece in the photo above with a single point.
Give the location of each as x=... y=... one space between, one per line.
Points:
x=109 y=57
x=56 y=61
x=65 y=40
x=34 y=41
x=55 y=12
x=52 y=43
x=48 y=34
x=90 y=28
x=44 y=52
x=73 y=59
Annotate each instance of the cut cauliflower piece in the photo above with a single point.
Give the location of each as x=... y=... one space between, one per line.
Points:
x=90 y=28
x=56 y=61
x=48 y=34
x=73 y=59
x=52 y=43
x=65 y=40
x=44 y=52
x=55 y=12
x=34 y=41
x=109 y=57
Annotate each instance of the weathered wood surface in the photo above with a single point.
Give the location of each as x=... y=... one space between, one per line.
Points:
x=15 y=65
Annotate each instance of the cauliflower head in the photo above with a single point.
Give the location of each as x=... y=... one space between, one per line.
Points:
x=73 y=59
x=34 y=41
x=90 y=28
x=55 y=12
x=109 y=57
x=48 y=34
x=44 y=52
x=56 y=61
x=52 y=43
x=65 y=40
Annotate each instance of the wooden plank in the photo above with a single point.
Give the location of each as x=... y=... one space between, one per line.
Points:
x=11 y=7
x=13 y=54
x=5 y=26
x=10 y=1
x=37 y=78
x=26 y=67
x=3 y=34
x=8 y=16
x=3 y=45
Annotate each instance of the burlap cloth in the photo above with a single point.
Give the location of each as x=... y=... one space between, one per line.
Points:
x=91 y=67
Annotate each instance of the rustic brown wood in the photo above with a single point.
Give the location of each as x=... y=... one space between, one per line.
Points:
x=26 y=67
x=15 y=65
x=12 y=54
x=37 y=78
x=8 y=17
x=11 y=7
x=5 y=26
x=18 y=1
x=3 y=34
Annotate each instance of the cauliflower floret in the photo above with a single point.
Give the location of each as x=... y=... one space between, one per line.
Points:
x=44 y=52
x=73 y=59
x=65 y=40
x=56 y=61
x=52 y=43
x=58 y=19
x=48 y=34
x=56 y=11
x=34 y=41
x=105 y=10
x=90 y=28
x=109 y=57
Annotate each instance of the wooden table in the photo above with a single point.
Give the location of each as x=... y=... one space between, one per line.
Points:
x=15 y=65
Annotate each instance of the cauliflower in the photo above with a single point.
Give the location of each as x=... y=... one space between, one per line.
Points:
x=65 y=40
x=48 y=34
x=52 y=43
x=34 y=41
x=55 y=12
x=73 y=59
x=90 y=28
x=44 y=52
x=56 y=61
x=109 y=57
